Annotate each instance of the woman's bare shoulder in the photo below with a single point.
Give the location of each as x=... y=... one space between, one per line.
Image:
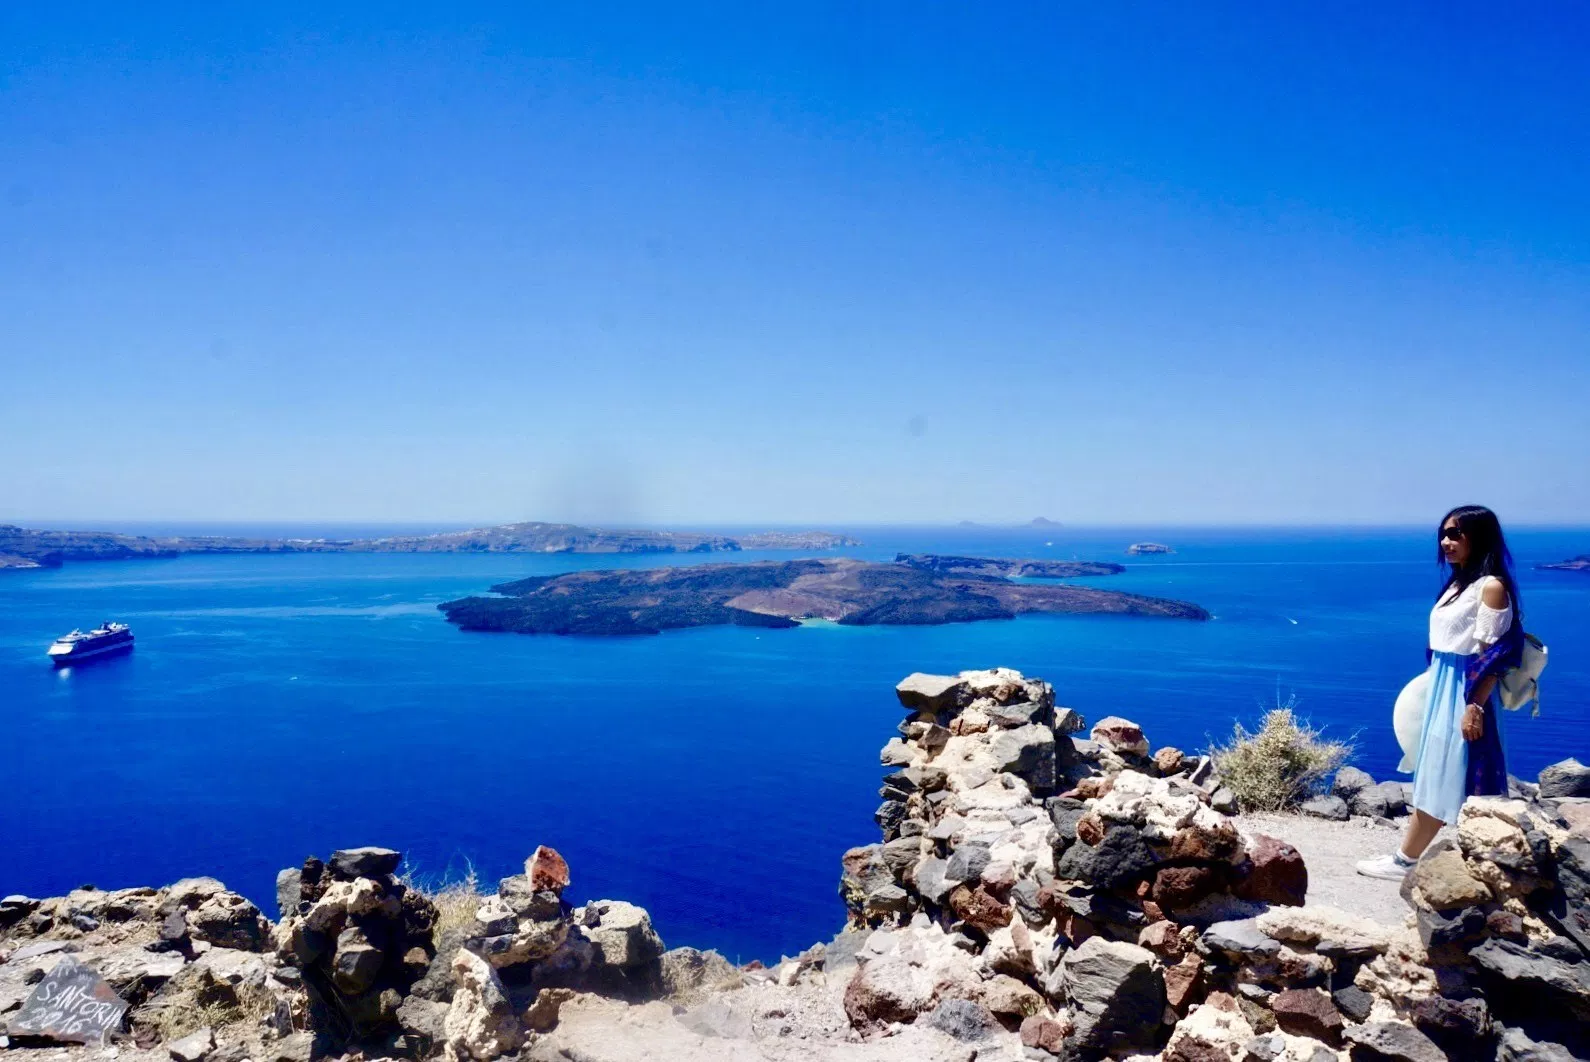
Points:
x=1494 y=593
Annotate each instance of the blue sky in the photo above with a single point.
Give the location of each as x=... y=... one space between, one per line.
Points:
x=795 y=264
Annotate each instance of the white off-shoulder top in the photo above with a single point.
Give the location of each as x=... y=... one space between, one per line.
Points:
x=1465 y=624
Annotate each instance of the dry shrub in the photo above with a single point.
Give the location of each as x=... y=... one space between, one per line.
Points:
x=177 y=1012
x=456 y=901
x=1281 y=765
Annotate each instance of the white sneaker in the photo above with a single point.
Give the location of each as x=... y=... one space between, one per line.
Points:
x=1386 y=867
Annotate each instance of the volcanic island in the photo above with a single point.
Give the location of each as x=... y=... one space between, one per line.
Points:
x=916 y=589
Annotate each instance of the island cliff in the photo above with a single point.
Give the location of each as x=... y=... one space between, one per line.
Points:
x=1575 y=564
x=24 y=548
x=778 y=594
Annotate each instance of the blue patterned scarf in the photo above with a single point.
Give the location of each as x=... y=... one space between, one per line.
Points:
x=1487 y=773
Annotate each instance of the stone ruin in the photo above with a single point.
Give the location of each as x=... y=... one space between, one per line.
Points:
x=1097 y=898
x=359 y=961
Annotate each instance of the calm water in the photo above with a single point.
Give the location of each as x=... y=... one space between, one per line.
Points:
x=279 y=706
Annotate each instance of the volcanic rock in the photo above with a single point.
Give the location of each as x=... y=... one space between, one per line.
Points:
x=1443 y=880
x=1331 y=807
x=1275 y=873
x=1383 y=801
x=1394 y=1041
x=1566 y=778
x=1350 y=781
x=352 y=863
x=1117 y=993
x=1121 y=736
x=1308 y=1012
x=480 y=1024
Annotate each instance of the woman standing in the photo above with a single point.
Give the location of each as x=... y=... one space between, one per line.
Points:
x=1475 y=635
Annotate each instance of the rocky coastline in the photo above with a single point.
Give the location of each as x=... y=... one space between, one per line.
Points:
x=22 y=548
x=1035 y=895
x=777 y=594
x=1007 y=569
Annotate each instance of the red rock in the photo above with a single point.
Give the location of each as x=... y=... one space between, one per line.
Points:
x=1162 y=937
x=1090 y=788
x=1275 y=874
x=1075 y=928
x=1210 y=844
x=1120 y=735
x=1143 y=890
x=1046 y=1034
x=1308 y=1012
x=1507 y=925
x=1168 y=760
x=1152 y=911
x=546 y=870
x=1090 y=829
x=1181 y=887
x=1221 y=1001
x=1184 y=981
x=978 y=909
x=999 y=878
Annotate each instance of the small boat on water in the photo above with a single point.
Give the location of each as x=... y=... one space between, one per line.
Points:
x=104 y=640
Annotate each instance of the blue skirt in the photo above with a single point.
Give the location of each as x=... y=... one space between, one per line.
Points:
x=1442 y=775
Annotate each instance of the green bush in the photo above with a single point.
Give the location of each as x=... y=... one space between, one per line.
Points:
x=1282 y=764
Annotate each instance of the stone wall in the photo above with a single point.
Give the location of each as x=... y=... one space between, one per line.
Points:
x=1098 y=897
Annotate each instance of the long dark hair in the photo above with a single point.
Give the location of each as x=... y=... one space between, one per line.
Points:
x=1488 y=553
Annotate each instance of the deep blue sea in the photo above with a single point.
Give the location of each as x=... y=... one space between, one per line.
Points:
x=278 y=706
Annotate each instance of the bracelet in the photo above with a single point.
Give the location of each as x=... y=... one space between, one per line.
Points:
x=1477 y=707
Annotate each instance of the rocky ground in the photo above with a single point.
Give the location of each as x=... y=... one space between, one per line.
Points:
x=1331 y=849
x=1035 y=895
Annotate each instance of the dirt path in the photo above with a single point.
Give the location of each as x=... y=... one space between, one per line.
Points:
x=1330 y=849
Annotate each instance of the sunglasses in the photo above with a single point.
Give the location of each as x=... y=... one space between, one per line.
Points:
x=1453 y=533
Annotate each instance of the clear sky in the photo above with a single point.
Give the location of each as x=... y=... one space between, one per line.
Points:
x=797 y=263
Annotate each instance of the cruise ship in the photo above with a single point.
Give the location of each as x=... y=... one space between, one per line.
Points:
x=104 y=640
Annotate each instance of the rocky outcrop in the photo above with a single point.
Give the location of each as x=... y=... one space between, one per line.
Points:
x=171 y=961
x=359 y=937
x=1079 y=868
x=1102 y=877
x=1355 y=792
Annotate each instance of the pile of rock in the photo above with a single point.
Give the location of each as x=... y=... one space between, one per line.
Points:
x=1503 y=913
x=1057 y=882
x=1094 y=896
x=501 y=978
x=359 y=937
x=1356 y=793
x=359 y=962
x=165 y=963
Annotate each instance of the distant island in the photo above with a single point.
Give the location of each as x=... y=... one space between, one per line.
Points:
x=1043 y=521
x=1008 y=569
x=780 y=594
x=1138 y=549
x=24 y=548
x=1575 y=564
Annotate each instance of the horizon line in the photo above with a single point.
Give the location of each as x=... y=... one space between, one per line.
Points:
x=82 y=525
